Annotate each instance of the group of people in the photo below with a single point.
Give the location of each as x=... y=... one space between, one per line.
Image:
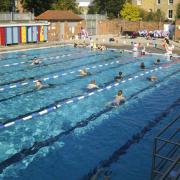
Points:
x=92 y=44
x=93 y=85
x=166 y=44
x=119 y=98
x=151 y=78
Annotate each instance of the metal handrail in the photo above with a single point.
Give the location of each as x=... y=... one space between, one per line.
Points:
x=156 y=151
x=170 y=169
x=161 y=132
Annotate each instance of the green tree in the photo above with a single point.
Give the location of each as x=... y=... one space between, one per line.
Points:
x=150 y=16
x=159 y=15
x=39 y=6
x=178 y=11
x=5 y=5
x=65 y=5
x=130 y=12
x=109 y=7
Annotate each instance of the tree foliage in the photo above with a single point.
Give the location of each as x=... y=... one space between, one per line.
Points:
x=39 y=6
x=178 y=11
x=152 y=16
x=109 y=7
x=130 y=12
x=65 y=5
x=5 y=5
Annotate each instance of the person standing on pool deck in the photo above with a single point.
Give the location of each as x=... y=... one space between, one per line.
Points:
x=143 y=51
x=92 y=85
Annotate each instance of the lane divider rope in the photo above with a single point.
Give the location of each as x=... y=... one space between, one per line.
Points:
x=56 y=76
x=58 y=105
x=37 y=145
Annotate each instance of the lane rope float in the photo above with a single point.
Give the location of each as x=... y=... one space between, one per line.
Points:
x=18 y=156
x=59 y=75
x=57 y=104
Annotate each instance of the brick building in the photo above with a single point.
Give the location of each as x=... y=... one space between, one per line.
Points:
x=63 y=24
x=167 y=6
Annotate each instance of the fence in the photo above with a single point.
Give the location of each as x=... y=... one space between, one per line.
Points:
x=12 y=16
x=91 y=21
x=118 y=26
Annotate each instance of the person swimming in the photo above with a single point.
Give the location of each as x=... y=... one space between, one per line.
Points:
x=92 y=85
x=101 y=47
x=157 y=62
x=152 y=78
x=39 y=85
x=35 y=61
x=118 y=99
x=119 y=77
x=84 y=72
x=142 y=65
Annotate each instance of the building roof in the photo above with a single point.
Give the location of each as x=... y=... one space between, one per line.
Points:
x=59 y=15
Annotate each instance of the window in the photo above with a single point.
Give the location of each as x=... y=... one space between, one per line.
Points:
x=158 y=1
x=170 y=14
x=170 y=1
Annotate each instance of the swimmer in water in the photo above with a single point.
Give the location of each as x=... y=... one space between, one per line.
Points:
x=84 y=72
x=92 y=85
x=39 y=85
x=35 y=61
x=142 y=66
x=157 y=62
x=119 y=77
x=118 y=99
x=152 y=78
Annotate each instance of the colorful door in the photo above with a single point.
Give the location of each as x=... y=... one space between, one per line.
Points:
x=3 y=36
x=9 y=35
x=35 y=33
x=15 y=35
x=42 y=34
x=23 y=34
x=29 y=34
x=20 y=35
x=45 y=33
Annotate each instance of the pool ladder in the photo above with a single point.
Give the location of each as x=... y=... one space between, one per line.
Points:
x=166 y=152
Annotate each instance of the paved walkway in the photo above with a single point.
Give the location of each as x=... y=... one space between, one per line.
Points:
x=120 y=42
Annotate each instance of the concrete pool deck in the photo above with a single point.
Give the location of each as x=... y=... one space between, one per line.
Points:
x=119 y=43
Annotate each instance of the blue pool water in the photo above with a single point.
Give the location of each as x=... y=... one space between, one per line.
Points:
x=64 y=131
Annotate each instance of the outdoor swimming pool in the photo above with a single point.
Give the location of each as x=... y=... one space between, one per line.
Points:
x=64 y=131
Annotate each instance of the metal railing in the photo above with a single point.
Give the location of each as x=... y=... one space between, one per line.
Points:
x=166 y=152
x=13 y=16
